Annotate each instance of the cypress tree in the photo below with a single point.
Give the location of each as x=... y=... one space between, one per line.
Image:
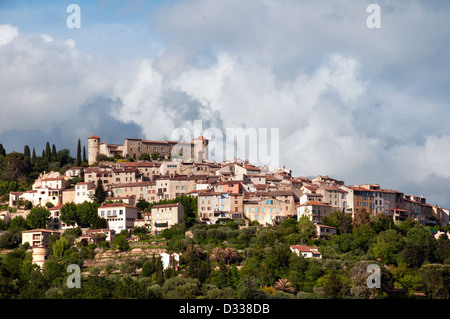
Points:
x=2 y=150
x=48 y=152
x=84 y=155
x=100 y=193
x=54 y=154
x=33 y=158
x=78 y=160
x=26 y=151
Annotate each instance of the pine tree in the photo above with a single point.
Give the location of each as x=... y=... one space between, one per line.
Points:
x=26 y=151
x=78 y=160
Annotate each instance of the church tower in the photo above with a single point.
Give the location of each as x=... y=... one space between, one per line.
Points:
x=93 y=148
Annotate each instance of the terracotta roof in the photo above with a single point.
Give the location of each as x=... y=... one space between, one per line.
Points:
x=116 y=205
x=305 y=248
x=94 y=136
x=314 y=203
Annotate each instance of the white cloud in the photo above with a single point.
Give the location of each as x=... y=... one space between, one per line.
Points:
x=7 y=33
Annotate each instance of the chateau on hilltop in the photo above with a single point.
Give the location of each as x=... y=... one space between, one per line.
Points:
x=135 y=147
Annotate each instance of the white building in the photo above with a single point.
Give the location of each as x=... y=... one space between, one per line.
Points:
x=306 y=251
x=119 y=216
x=84 y=192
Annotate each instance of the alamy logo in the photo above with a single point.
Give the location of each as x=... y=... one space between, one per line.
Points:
x=374 y=19
x=374 y=279
x=256 y=145
x=73 y=20
x=74 y=280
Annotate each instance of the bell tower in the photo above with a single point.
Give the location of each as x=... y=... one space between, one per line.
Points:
x=93 y=148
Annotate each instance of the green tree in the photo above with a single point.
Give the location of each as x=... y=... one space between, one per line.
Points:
x=48 y=152
x=86 y=213
x=306 y=228
x=2 y=150
x=84 y=155
x=181 y=288
x=39 y=217
x=333 y=284
x=78 y=159
x=18 y=223
x=100 y=194
x=144 y=157
x=423 y=240
x=443 y=249
x=54 y=154
x=60 y=246
x=122 y=243
x=435 y=279
x=340 y=220
x=68 y=214
x=9 y=239
x=387 y=245
x=26 y=151
x=17 y=166
x=99 y=222
x=33 y=157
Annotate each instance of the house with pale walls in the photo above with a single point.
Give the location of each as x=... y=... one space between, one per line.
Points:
x=164 y=216
x=199 y=168
x=334 y=196
x=315 y=211
x=46 y=190
x=231 y=171
x=38 y=237
x=324 y=232
x=119 y=216
x=306 y=251
x=171 y=187
x=307 y=197
x=74 y=172
x=84 y=191
x=267 y=207
x=140 y=190
x=89 y=235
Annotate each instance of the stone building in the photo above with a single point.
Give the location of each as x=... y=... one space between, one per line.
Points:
x=135 y=147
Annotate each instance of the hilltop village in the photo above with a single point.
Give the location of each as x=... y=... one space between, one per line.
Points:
x=137 y=189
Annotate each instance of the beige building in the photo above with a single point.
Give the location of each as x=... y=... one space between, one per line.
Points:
x=135 y=147
x=314 y=210
x=165 y=216
x=38 y=237
x=267 y=207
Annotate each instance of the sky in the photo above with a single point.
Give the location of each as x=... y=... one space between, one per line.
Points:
x=360 y=104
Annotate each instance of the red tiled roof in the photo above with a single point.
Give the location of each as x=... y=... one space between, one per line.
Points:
x=116 y=205
x=94 y=136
